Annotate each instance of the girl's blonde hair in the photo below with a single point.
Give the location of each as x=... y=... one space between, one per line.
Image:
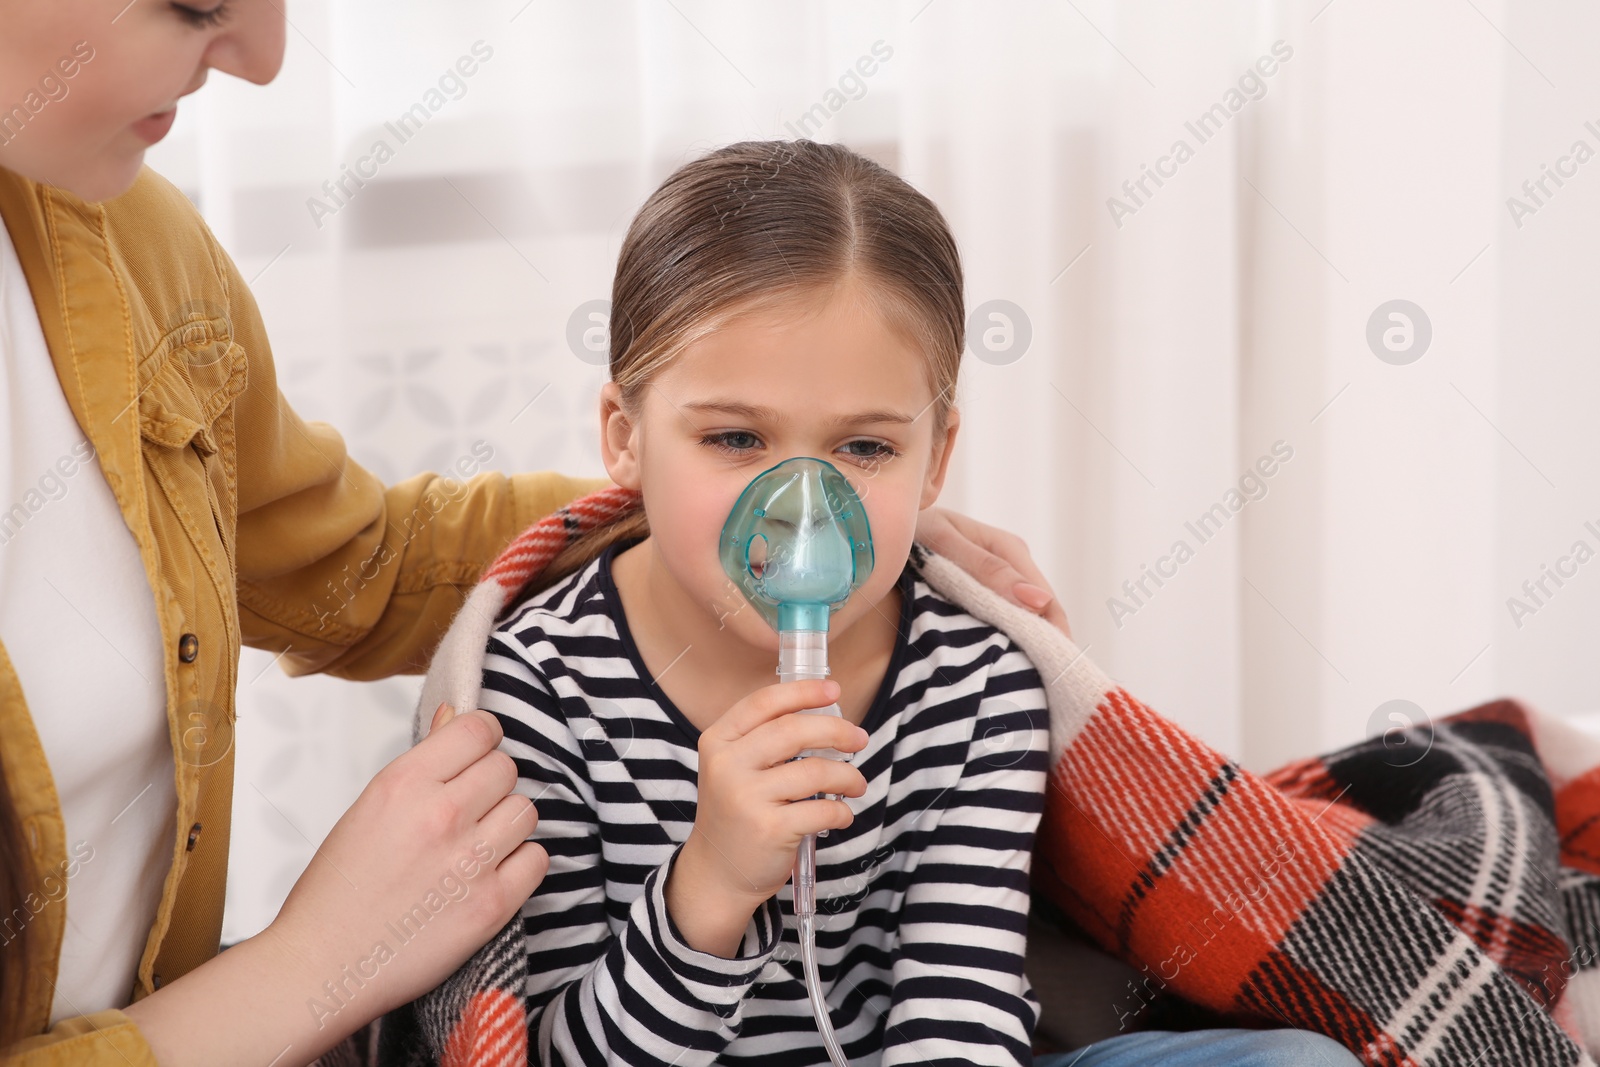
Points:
x=758 y=223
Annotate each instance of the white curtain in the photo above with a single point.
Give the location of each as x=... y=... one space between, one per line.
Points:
x=1270 y=510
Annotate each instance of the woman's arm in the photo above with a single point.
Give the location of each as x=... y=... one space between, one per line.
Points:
x=434 y=827
x=960 y=994
x=642 y=996
x=336 y=571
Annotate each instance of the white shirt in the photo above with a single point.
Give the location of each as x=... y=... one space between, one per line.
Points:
x=78 y=619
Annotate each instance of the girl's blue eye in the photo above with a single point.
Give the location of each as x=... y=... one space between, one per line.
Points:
x=732 y=442
x=875 y=450
x=743 y=442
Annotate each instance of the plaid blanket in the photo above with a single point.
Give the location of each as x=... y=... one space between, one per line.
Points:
x=1427 y=897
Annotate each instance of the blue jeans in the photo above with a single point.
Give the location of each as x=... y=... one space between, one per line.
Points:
x=1208 y=1048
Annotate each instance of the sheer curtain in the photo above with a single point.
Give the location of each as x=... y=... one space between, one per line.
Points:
x=1273 y=500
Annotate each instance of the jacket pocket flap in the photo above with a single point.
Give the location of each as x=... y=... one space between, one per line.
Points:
x=190 y=378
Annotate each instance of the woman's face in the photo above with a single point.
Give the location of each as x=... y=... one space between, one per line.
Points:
x=87 y=85
x=824 y=377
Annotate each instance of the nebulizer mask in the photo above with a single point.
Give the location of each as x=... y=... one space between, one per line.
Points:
x=797 y=544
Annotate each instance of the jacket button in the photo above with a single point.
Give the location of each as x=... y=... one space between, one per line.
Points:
x=188 y=648
x=155 y=981
x=194 y=835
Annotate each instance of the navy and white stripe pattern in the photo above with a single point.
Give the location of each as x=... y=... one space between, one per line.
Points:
x=923 y=901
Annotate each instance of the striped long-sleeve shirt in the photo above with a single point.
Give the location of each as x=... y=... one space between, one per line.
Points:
x=922 y=901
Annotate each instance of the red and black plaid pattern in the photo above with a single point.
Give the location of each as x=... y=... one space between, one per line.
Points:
x=1419 y=914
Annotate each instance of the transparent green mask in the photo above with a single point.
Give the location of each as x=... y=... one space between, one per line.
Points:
x=797 y=543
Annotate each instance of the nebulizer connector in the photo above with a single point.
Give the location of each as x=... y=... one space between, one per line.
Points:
x=797 y=544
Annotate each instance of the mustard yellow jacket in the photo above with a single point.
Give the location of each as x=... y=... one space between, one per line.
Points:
x=245 y=517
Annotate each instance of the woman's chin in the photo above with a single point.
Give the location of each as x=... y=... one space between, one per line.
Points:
x=105 y=177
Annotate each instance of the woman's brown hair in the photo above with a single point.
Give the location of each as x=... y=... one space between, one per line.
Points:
x=756 y=223
x=16 y=939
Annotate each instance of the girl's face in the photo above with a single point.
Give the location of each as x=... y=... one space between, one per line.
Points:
x=823 y=376
x=87 y=85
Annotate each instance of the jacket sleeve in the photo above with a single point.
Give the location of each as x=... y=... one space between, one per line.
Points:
x=337 y=572
x=103 y=1039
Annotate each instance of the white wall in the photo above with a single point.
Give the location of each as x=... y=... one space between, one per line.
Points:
x=1168 y=353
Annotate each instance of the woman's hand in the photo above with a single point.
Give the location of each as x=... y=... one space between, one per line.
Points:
x=426 y=866
x=437 y=829
x=753 y=807
x=998 y=559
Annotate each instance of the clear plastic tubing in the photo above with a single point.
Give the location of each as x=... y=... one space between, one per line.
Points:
x=803 y=654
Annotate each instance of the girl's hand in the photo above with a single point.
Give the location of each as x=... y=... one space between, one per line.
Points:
x=753 y=809
x=426 y=866
x=998 y=559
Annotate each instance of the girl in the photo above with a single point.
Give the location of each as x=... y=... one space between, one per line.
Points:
x=773 y=299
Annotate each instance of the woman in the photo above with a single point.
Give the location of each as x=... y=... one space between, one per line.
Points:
x=213 y=516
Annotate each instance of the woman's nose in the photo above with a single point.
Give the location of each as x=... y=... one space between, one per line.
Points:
x=252 y=46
